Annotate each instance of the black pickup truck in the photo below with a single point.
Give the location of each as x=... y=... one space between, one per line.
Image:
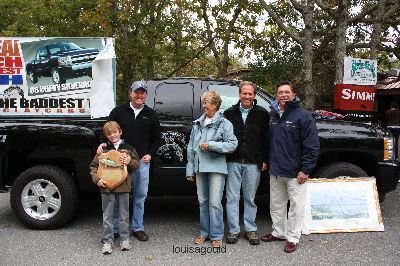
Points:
x=61 y=61
x=45 y=161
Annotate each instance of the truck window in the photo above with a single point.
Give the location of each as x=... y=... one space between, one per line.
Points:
x=42 y=53
x=174 y=101
x=230 y=96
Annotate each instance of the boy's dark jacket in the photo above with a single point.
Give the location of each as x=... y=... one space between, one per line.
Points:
x=134 y=164
x=253 y=136
x=294 y=144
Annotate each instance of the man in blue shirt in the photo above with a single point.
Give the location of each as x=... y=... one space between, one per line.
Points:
x=250 y=123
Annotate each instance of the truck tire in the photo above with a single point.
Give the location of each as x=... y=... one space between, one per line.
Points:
x=56 y=76
x=337 y=169
x=44 y=197
x=32 y=76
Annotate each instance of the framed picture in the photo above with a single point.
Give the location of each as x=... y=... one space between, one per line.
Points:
x=342 y=205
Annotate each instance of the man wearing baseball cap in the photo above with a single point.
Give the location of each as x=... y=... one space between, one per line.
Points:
x=141 y=129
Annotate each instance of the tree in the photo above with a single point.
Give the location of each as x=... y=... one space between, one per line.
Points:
x=139 y=29
x=45 y=18
x=337 y=29
x=277 y=59
x=365 y=29
x=224 y=26
x=302 y=35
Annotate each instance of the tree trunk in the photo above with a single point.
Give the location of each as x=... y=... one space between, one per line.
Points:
x=309 y=93
x=340 y=49
x=377 y=30
x=126 y=61
x=150 y=73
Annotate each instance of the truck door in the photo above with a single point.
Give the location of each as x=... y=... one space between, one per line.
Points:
x=42 y=61
x=173 y=102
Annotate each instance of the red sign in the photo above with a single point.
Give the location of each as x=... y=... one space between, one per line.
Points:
x=354 y=98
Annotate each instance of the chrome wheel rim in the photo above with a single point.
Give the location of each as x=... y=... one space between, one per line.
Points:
x=56 y=76
x=31 y=75
x=41 y=199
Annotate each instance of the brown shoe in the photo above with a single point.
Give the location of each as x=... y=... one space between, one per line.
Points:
x=140 y=235
x=270 y=238
x=252 y=237
x=290 y=247
x=199 y=240
x=216 y=243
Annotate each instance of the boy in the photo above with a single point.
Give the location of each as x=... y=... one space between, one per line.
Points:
x=120 y=194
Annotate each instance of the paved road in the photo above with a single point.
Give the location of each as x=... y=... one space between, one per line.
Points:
x=172 y=223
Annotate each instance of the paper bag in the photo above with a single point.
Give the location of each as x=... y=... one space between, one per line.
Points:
x=111 y=170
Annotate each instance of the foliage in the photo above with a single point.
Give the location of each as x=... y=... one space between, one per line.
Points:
x=163 y=38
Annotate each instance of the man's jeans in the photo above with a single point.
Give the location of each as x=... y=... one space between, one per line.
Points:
x=246 y=176
x=210 y=187
x=140 y=185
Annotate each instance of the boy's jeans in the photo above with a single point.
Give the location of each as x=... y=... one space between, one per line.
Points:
x=108 y=202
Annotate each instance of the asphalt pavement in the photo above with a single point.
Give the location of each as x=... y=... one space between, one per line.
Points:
x=172 y=223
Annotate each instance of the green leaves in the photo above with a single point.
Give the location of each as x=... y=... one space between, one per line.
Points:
x=161 y=38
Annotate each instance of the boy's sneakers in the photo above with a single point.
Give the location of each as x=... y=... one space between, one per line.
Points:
x=125 y=245
x=107 y=249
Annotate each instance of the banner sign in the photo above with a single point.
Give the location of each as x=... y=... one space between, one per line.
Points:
x=360 y=71
x=354 y=98
x=54 y=76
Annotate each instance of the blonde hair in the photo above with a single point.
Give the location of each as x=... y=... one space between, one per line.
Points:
x=110 y=127
x=212 y=97
x=243 y=83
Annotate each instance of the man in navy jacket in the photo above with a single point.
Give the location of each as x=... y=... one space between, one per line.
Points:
x=294 y=149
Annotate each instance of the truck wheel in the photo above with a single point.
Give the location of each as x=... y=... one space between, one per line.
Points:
x=56 y=76
x=337 y=169
x=44 y=197
x=32 y=76
x=333 y=170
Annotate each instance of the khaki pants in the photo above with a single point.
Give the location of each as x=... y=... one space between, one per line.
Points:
x=287 y=225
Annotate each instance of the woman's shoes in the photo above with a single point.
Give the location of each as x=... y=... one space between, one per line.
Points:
x=216 y=243
x=199 y=240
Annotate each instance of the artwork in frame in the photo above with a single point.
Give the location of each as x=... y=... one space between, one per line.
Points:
x=342 y=205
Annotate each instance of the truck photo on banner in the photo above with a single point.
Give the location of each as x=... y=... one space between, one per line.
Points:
x=53 y=76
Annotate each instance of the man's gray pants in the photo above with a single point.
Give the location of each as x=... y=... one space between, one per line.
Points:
x=108 y=201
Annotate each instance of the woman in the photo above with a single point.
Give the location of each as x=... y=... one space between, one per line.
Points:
x=211 y=137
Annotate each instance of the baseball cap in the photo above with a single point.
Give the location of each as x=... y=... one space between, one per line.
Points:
x=138 y=85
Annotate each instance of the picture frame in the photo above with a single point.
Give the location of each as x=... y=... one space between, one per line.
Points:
x=342 y=205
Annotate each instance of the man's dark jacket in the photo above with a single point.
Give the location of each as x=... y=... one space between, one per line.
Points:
x=142 y=132
x=294 y=142
x=253 y=136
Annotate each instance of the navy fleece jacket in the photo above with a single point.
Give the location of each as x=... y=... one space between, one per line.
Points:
x=294 y=142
